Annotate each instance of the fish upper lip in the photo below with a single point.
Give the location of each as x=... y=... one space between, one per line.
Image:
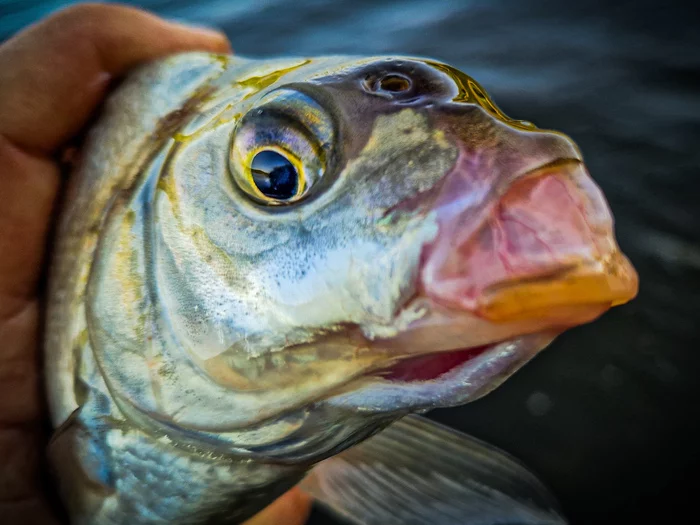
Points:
x=583 y=283
x=562 y=257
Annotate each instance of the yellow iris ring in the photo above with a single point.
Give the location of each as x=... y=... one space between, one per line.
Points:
x=296 y=162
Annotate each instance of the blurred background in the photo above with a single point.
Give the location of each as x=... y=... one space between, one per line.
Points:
x=609 y=416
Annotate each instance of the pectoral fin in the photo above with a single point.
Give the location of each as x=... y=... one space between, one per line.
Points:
x=417 y=472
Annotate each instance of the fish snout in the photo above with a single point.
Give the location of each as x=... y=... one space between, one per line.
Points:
x=539 y=244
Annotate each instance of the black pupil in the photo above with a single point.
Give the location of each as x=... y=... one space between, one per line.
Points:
x=274 y=175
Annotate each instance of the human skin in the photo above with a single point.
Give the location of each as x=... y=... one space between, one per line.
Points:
x=53 y=76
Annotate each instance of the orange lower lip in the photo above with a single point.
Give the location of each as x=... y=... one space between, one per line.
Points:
x=601 y=285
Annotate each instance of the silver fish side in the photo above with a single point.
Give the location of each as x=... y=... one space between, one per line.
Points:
x=253 y=254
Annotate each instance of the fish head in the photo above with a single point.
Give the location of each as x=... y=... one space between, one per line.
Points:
x=352 y=240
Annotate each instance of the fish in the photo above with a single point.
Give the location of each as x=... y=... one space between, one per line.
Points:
x=266 y=271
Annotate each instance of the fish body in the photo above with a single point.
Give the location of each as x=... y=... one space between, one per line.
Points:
x=262 y=263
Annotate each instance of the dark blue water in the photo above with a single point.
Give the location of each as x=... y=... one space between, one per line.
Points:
x=609 y=416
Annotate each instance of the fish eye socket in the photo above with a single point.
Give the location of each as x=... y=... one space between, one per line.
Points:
x=280 y=149
x=275 y=175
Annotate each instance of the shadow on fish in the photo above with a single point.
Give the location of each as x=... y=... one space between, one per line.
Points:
x=264 y=269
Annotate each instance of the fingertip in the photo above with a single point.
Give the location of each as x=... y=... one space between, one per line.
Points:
x=300 y=501
x=292 y=508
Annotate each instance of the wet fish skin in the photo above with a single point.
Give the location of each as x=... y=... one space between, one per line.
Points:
x=203 y=352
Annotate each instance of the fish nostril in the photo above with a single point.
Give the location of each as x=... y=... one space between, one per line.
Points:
x=394 y=83
x=390 y=84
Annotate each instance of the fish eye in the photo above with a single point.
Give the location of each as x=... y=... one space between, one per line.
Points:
x=274 y=175
x=280 y=148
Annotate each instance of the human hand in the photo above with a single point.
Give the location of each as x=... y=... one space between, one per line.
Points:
x=52 y=77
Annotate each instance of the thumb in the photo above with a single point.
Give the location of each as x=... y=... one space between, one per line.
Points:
x=292 y=508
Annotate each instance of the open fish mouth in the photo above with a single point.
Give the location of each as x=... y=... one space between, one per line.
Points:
x=443 y=379
x=430 y=367
x=497 y=285
x=453 y=357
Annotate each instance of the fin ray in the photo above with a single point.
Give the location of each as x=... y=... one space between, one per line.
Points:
x=418 y=472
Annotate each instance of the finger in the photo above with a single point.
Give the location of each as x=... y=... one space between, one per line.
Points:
x=28 y=187
x=52 y=77
x=33 y=511
x=21 y=451
x=292 y=508
x=19 y=454
x=54 y=74
x=20 y=376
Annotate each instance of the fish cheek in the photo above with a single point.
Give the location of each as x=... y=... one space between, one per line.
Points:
x=118 y=310
x=403 y=158
x=379 y=210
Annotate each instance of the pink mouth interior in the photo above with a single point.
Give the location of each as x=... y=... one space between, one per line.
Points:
x=429 y=367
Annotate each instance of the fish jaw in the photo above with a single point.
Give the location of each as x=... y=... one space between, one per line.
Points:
x=544 y=249
x=443 y=379
x=500 y=281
